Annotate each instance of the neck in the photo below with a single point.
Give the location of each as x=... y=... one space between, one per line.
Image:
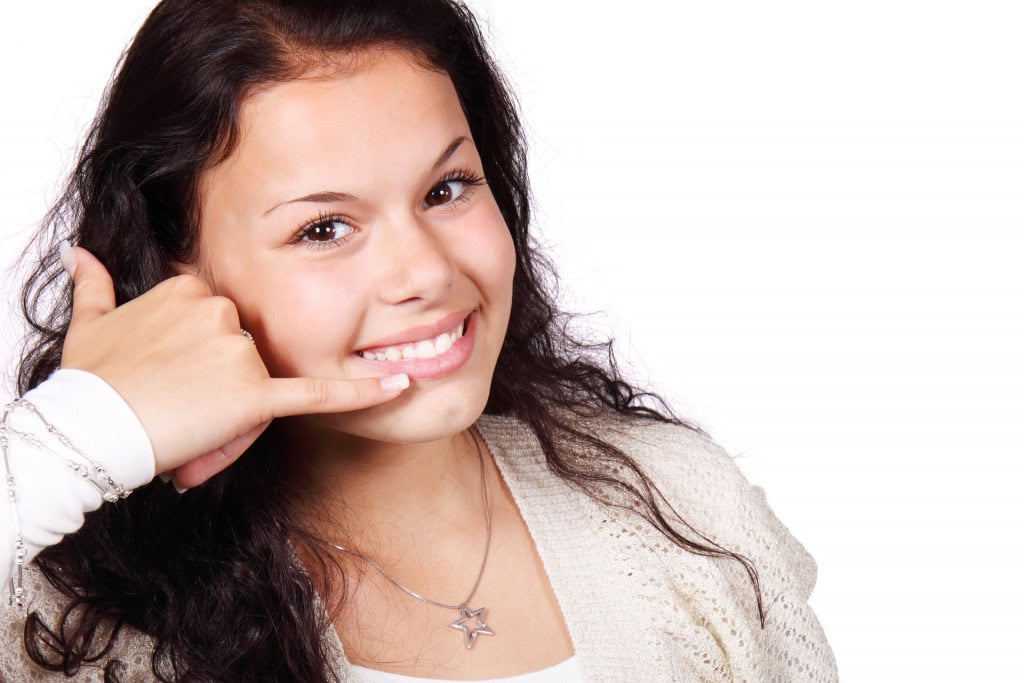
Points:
x=379 y=496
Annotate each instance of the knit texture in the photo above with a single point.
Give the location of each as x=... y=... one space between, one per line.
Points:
x=638 y=608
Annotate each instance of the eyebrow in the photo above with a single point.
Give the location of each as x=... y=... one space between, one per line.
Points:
x=330 y=196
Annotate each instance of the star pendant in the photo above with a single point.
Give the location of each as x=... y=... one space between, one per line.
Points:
x=480 y=630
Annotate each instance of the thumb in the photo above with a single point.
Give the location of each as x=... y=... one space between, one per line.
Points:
x=94 y=289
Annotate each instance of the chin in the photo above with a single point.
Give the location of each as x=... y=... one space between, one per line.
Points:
x=420 y=415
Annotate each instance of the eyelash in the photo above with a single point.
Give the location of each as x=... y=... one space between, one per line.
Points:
x=323 y=220
x=461 y=175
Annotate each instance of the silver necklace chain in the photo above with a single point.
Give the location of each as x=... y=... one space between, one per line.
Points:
x=462 y=607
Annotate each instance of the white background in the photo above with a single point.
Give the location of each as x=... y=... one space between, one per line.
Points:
x=803 y=223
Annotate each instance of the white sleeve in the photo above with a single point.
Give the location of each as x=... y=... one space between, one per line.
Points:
x=51 y=500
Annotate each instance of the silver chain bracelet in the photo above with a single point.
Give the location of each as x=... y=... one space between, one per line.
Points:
x=85 y=467
x=17 y=590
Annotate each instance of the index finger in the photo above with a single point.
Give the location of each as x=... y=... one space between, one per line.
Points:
x=309 y=395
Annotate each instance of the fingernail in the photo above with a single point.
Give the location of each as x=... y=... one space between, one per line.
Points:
x=395 y=382
x=165 y=477
x=180 y=489
x=67 y=257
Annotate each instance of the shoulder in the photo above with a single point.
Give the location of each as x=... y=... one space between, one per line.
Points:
x=696 y=476
x=706 y=605
x=131 y=648
x=707 y=489
x=711 y=496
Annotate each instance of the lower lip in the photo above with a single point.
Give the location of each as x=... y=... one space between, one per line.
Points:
x=430 y=368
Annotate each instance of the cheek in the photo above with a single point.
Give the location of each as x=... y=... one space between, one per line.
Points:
x=305 y=321
x=489 y=254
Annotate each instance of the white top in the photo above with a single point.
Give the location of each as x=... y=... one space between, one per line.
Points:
x=637 y=607
x=51 y=499
x=564 y=672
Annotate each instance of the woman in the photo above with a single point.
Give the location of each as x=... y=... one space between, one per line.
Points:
x=455 y=488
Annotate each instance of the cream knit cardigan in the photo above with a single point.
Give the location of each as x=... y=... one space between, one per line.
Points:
x=638 y=608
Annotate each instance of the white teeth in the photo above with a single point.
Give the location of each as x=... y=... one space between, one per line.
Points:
x=426 y=349
x=423 y=349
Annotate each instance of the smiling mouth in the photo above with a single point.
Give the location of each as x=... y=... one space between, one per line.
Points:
x=424 y=348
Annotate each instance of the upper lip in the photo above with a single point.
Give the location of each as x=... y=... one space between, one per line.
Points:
x=414 y=334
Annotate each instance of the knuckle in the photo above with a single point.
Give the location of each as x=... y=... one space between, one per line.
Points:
x=220 y=309
x=319 y=392
x=188 y=285
x=222 y=305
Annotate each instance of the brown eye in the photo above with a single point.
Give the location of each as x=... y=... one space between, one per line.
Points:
x=321 y=233
x=445 y=192
x=327 y=230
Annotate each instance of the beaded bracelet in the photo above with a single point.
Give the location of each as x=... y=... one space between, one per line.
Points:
x=77 y=461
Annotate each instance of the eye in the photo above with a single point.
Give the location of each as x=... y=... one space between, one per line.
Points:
x=325 y=231
x=445 y=192
x=454 y=187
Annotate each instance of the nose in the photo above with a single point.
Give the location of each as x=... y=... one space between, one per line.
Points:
x=415 y=262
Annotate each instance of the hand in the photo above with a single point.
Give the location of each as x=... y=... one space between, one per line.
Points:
x=177 y=356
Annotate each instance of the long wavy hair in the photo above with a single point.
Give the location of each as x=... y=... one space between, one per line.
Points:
x=227 y=601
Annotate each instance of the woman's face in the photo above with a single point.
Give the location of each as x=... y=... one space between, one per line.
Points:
x=351 y=231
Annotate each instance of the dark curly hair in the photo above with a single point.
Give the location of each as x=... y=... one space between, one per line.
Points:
x=228 y=601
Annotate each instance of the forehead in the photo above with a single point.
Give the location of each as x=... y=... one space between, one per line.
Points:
x=379 y=87
x=347 y=124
